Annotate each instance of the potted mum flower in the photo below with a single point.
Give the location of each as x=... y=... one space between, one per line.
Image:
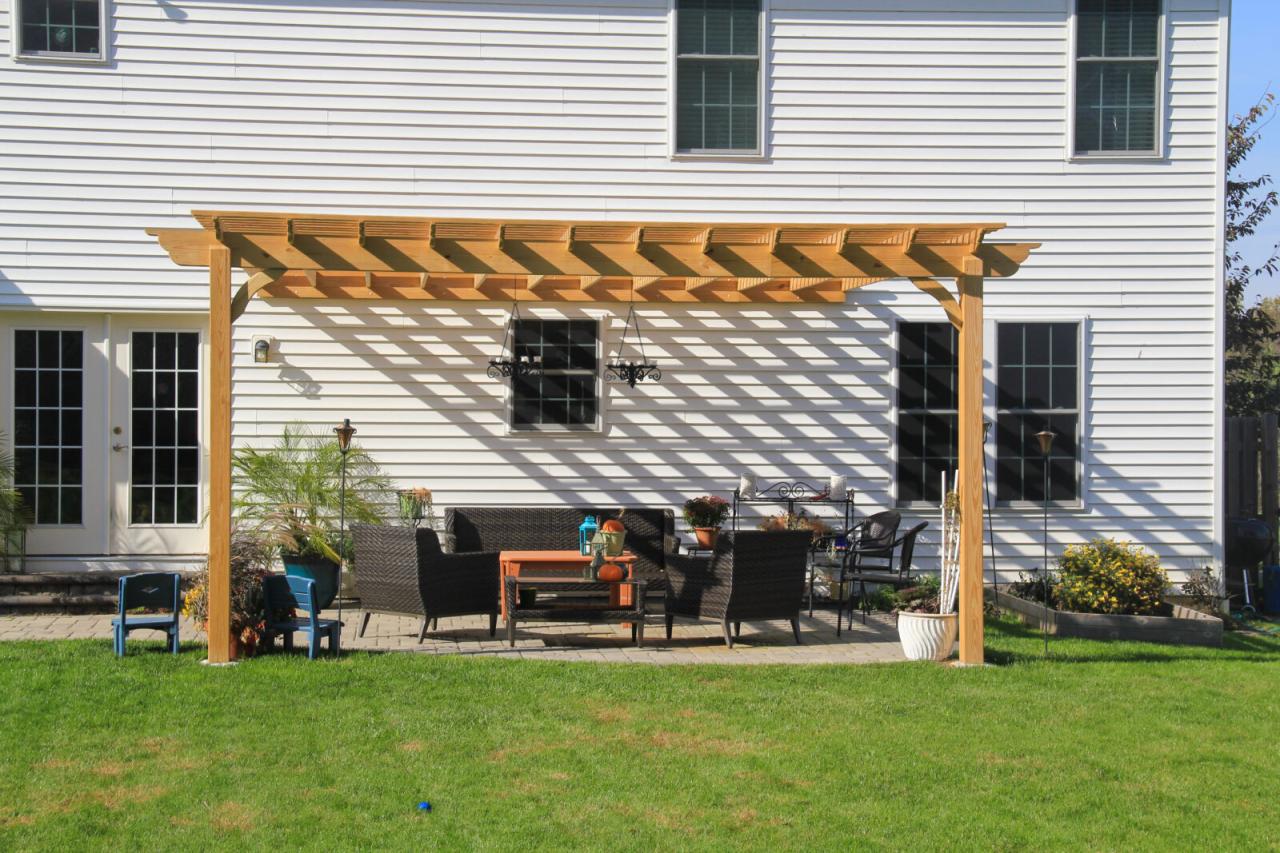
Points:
x=705 y=515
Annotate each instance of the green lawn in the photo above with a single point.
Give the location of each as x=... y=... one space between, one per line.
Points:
x=1109 y=746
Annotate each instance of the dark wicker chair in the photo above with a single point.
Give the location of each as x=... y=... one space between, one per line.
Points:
x=871 y=546
x=403 y=571
x=751 y=576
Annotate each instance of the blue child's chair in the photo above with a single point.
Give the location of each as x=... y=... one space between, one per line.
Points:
x=285 y=593
x=150 y=591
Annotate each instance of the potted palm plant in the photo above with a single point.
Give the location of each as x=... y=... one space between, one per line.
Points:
x=704 y=515
x=291 y=491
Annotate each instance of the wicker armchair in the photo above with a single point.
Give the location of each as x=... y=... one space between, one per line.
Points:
x=751 y=576
x=403 y=571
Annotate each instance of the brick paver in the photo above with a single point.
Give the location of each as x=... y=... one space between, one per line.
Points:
x=691 y=642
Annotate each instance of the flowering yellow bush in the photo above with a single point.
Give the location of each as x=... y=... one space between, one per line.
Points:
x=1106 y=576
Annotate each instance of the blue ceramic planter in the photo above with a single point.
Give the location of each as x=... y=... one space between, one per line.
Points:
x=323 y=572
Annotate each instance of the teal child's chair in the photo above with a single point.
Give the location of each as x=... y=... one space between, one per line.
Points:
x=284 y=594
x=149 y=591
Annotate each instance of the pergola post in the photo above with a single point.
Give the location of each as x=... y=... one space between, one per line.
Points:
x=969 y=427
x=220 y=646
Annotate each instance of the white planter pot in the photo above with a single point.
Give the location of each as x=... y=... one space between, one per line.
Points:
x=928 y=636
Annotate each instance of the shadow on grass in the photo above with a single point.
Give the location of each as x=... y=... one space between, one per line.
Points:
x=1026 y=646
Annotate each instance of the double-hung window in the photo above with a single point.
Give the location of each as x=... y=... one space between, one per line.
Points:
x=563 y=394
x=926 y=409
x=1118 y=88
x=1037 y=386
x=718 y=76
x=59 y=29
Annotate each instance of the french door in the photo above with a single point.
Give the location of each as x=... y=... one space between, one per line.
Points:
x=156 y=445
x=105 y=417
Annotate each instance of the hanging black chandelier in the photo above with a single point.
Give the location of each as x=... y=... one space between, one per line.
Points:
x=505 y=366
x=631 y=372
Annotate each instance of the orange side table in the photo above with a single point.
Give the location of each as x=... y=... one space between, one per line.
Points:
x=548 y=564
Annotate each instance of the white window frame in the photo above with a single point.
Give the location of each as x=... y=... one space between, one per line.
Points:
x=556 y=429
x=1160 y=151
x=991 y=411
x=760 y=152
x=18 y=55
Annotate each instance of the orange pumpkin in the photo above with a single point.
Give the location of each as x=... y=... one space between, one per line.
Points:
x=612 y=526
x=611 y=573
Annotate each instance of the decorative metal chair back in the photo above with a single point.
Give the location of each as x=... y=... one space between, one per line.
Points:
x=907 y=553
x=150 y=591
x=879 y=530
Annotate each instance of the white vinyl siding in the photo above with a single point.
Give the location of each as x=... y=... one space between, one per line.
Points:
x=913 y=110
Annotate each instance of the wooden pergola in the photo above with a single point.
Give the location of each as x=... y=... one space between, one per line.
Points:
x=307 y=256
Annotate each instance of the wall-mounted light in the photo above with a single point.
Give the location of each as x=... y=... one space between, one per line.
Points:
x=262 y=349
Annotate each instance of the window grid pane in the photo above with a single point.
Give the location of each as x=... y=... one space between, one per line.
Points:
x=165 y=440
x=927 y=419
x=564 y=394
x=60 y=26
x=1037 y=377
x=48 y=414
x=717 y=75
x=1117 y=75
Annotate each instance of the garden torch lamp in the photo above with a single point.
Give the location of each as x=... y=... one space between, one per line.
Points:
x=1045 y=437
x=344 y=434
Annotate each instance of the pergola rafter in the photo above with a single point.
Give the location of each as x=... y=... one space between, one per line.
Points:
x=311 y=256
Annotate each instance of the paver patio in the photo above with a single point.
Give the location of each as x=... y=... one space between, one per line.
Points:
x=874 y=642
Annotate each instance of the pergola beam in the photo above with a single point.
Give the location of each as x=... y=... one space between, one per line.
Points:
x=638 y=251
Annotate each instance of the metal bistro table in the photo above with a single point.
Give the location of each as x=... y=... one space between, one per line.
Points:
x=570 y=610
x=798 y=493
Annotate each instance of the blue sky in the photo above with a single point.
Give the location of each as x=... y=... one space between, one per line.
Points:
x=1255 y=45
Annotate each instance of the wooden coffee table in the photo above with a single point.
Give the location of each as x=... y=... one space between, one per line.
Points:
x=569 y=610
x=558 y=565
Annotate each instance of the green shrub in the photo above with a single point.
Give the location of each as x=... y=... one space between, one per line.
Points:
x=1106 y=576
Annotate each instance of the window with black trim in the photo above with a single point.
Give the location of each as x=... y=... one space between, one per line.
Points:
x=1117 y=76
x=1037 y=386
x=927 y=360
x=717 y=76
x=48 y=423
x=62 y=29
x=564 y=394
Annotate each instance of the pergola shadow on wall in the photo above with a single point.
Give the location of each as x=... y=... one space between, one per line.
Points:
x=306 y=256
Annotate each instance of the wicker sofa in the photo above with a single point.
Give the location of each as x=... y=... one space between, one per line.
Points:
x=650 y=532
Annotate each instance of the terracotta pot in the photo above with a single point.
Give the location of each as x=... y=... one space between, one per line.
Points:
x=706 y=536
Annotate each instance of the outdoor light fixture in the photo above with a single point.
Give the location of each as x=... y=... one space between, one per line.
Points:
x=261 y=350
x=631 y=372
x=504 y=366
x=1045 y=437
x=344 y=434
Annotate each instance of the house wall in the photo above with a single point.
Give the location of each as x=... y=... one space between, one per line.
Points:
x=913 y=110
